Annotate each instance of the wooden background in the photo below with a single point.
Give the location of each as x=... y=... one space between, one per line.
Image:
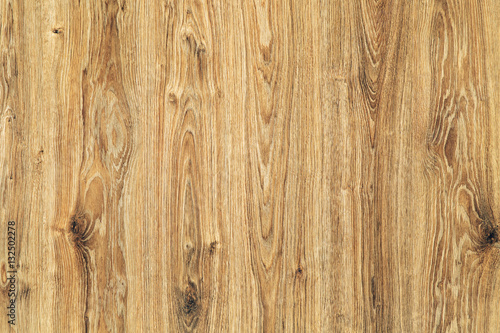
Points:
x=251 y=166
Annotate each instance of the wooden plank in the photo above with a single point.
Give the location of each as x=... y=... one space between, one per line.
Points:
x=250 y=166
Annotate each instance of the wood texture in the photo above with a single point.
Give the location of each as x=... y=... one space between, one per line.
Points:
x=251 y=166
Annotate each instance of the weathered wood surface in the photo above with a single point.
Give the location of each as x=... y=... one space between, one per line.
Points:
x=251 y=166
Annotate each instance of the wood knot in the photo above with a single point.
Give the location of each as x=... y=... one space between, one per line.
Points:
x=488 y=235
x=172 y=98
x=194 y=42
x=190 y=299
x=492 y=236
x=74 y=226
x=39 y=157
x=299 y=271
x=78 y=226
x=213 y=247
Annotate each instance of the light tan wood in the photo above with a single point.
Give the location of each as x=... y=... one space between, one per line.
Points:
x=251 y=166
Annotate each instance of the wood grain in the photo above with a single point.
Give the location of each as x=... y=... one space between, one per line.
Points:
x=251 y=166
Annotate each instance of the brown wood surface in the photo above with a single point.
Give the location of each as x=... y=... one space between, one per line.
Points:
x=251 y=165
